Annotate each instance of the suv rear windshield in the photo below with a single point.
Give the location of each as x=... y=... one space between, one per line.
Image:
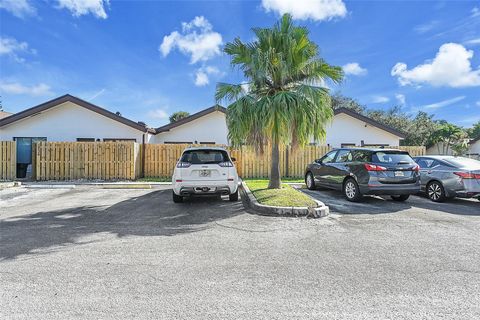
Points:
x=391 y=157
x=205 y=156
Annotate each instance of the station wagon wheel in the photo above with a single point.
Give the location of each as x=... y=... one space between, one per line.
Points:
x=435 y=191
x=309 y=181
x=351 y=190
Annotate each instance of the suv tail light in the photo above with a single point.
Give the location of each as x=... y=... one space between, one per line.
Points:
x=226 y=164
x=467 y=175
x=373 y=167
x=181 y=164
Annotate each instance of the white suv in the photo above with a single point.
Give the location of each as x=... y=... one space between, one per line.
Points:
x=205 y=171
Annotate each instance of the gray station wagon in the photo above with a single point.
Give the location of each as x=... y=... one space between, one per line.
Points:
x=444 y=177
x=359 y=172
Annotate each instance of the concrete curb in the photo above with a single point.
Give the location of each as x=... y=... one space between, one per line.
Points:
x=10 y=184
x=321 y=211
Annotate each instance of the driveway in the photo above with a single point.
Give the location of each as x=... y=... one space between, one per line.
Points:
x=99 y=253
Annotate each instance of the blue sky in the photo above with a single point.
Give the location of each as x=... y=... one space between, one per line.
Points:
x=148 y=59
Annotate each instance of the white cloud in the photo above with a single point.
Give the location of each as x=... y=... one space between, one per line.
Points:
x=158 y=114
x=82 y=7
x=201 y=79
x=197 y=40
x=475 y=12
x=19 y=8
x=443 y=103
x=472 y=42
x=451 y=67
x=423 y=28
x=400 y=98
x=40 y=89
x=202 y=75
x=478 y=103
x=380 y=99
x=355 y=69
x=307 y=9
x=12 y=47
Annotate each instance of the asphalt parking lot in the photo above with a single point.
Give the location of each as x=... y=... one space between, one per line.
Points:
x=101 y=253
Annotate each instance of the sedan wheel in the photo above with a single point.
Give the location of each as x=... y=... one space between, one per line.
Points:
x=435 y=192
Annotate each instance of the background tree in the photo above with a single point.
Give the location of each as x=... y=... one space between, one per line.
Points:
x=282 y=103
x=341 y=101
x=178 y=115
x=447 y=135
x=474 y=131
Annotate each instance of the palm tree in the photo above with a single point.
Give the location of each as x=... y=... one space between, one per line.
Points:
x=282 y=101
x=178 y=115
x=446 y=135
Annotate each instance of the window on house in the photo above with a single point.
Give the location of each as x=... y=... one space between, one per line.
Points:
x=118 y=139
x=178 y=142
x=346 y=145
x=85 y=139
x=208 y=142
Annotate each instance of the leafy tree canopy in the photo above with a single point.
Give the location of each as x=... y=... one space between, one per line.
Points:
x=178 y=115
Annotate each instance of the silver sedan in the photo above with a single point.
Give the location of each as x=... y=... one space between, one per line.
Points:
x=444 y=177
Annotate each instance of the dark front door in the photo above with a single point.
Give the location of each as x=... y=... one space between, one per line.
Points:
x=24 y=153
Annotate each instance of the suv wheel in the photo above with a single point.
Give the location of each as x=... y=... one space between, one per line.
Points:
x=233 y=196
x=351 y=190
x=402 y=197
x=176 y=198
x=310 y=181
x=435 y=191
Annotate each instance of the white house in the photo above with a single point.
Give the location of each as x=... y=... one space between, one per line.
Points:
x=348 y=128
x=208 y=126
x=473 y=149
x=69 y=118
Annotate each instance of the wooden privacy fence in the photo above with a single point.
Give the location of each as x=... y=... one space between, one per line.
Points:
x=8 y=160
x=86 y=160
x=125 y=160
x=160 y=160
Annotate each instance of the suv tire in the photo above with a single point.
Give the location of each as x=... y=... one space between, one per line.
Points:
x=176 y=198
x=351 y=191
x=233 y=196
x=400 y=198
x=310 y=181
x=436 y=192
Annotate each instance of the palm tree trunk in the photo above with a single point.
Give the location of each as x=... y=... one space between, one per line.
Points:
x=275 y=182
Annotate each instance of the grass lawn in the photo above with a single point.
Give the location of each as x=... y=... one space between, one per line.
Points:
x=285 y=197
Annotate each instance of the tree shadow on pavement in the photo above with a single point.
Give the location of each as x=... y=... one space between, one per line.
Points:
x=152 y=214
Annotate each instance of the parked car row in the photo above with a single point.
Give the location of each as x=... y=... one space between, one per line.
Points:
x=354 y=171
x=358 y=172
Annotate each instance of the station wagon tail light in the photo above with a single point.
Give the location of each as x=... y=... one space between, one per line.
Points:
x=467 y=175
x=372 y=167
x=226 y=164
x=181 y=164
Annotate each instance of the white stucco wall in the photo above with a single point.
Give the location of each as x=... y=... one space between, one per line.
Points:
x=209 y=128
x=345 y=129
x=475 y=148
x=437 y=149
x=67 y=122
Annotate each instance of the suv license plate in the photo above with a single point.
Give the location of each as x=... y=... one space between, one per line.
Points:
x=399 y=174
x=205 y=173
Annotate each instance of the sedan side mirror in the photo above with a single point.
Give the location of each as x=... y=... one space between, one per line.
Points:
x=318 y=161
x=234 y=159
